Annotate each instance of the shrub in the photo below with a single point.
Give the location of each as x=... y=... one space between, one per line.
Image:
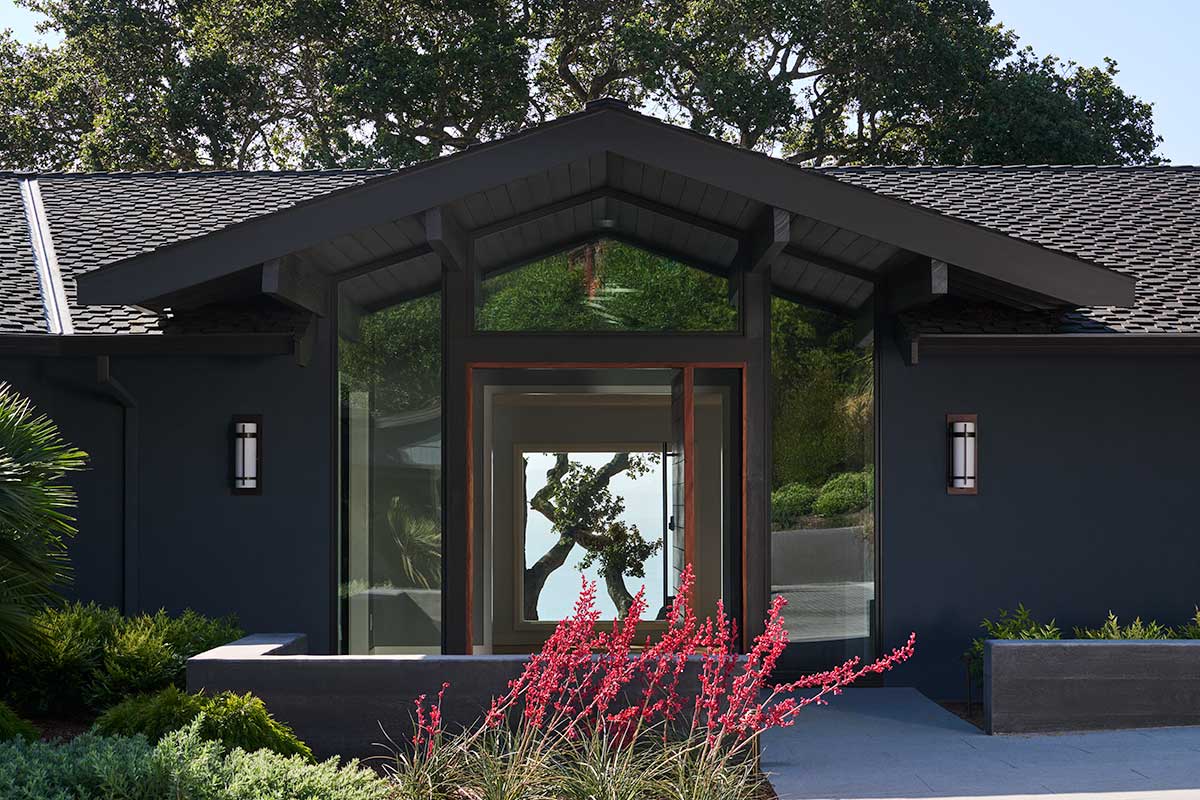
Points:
x=1113 y=629
x=88 y=656
x=590 y=716
x=1018 y=624
x=841 y=494
x=55 y=676
x=137 y=659
x=182 y=765
x=1191 y=629
x=233 y=720
x=13 y=727
x=151 y=715
x=790 y=503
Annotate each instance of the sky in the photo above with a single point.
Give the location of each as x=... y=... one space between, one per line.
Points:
x=1153 y=42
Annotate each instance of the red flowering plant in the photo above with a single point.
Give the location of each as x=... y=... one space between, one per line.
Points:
x=596 y=693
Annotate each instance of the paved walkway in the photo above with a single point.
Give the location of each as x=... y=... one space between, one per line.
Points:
x=894 y=743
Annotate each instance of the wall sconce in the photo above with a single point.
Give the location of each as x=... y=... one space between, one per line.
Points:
x=247 y=454
x=964 y=454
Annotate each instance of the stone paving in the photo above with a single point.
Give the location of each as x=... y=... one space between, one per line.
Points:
x=890 y=744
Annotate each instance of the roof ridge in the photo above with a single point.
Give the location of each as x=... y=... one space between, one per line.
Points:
x=1002 y=167
x=198 y=173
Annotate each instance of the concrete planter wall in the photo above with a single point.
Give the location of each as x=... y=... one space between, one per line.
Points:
x=1045 y=686
x=344 y=705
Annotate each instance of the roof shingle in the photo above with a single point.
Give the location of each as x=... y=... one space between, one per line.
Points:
x=1142 y=221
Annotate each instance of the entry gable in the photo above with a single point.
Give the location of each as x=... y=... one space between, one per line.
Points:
x=602 y=171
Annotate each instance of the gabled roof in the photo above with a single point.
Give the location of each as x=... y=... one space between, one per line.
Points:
x=99 y=218
x=717 y=190
x=1141 y=222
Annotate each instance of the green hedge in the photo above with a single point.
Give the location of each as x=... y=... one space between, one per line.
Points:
x=844 y=493
x=790 y=503
x=90 y=657
x=233 y=720
x=13 y=727
x=182 y=765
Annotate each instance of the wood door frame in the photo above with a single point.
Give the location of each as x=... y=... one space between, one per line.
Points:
x=689 y=407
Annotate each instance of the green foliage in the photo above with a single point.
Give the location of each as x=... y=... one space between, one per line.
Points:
x=243 y=721
x=34 y=523
x=150 y=715
x=182 y=765
x=233 y=83
x=1190 y=629
x=849 y=491
x=1018 y=624
x=233 y=720
x=88 y=656
x=56 y=676
x=819 y=380
x=606 y=286
x=1045 y=111
x=14 y=727
x=791 y=502
x=1113 y=629
x=418 y=545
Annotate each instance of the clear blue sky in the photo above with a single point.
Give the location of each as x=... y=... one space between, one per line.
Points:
x=1154 y=42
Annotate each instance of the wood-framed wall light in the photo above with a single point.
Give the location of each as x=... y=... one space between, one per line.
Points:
x=963 y=435
x=247 y=454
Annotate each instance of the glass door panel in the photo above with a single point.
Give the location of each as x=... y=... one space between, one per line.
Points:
x=582 y=474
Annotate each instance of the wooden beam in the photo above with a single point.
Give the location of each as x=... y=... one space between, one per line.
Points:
x=797 y=252
x=293 y=283
x=804 y=299
x=612 y=195
x=446 y=237
x=922 y=283
x=349 y=318
x=677 y=214
x=534 y=214
x=772 y=233
x=383 y=262
x=864 y=324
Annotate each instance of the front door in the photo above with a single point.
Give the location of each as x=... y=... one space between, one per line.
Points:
x=619 y=475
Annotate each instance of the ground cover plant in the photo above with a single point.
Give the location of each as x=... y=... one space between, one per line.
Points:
x=232 y=719
x=86 y=658
x=593 y=715
x=184 y=764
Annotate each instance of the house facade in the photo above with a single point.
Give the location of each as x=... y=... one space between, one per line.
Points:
x=402 y=411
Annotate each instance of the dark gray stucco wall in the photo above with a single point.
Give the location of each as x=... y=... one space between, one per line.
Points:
x=1087 y=476
x=265 y=558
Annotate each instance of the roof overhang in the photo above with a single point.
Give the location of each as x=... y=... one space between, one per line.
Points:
x=806 y=223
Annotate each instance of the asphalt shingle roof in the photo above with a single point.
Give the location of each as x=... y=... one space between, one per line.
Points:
x=98 y=218
x=1142 y=221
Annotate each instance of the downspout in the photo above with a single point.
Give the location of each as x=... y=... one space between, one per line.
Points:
x=130 y=540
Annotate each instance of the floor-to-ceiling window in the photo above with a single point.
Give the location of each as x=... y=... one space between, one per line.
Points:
x=822 y=484
x=390 y=413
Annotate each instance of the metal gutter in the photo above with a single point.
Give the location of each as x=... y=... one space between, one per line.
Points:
x=131 y=539
x=54 y=297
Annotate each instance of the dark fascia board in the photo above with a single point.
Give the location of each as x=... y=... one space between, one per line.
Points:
x=1102 y=344
x=133 y=344
x=634 y=136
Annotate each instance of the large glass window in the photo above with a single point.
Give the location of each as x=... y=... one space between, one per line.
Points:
x=822 y=499
x=389 y=396
x=585 y=472
x=605 y=286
